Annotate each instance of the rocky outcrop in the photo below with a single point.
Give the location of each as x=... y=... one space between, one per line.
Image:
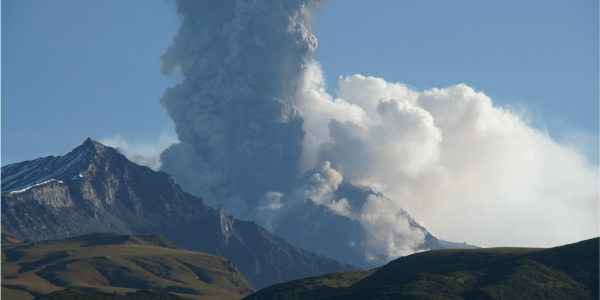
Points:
x=96 y=189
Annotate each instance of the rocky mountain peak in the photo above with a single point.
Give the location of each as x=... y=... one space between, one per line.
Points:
x=83 y=161
x=101 y=155
x=226 y=229
x=96 y=189
x=59 y=168
x=93 y=147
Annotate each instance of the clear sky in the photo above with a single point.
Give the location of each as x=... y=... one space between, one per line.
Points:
x=73 y=69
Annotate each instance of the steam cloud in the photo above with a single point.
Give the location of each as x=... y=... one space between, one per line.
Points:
x=145 y=153
x=450 y=158
x=259 y=134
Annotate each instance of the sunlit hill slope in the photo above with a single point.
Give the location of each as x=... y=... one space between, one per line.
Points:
x=111 y=262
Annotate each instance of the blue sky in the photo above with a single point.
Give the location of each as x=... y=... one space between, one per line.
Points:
x=73 y=69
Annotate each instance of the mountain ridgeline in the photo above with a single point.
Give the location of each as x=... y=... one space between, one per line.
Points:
x=96 y=189
x=565 y=272
x=318 y=228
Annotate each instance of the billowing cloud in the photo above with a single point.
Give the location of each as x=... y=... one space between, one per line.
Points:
x=143 y=152
x=235 y=112
x=469 y=170
x=259 y=134
x=510 y=184
x=391 y=233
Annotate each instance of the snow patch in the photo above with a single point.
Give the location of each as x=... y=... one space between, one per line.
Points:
x=32 y=186
x=18 y=176
x=76 y=177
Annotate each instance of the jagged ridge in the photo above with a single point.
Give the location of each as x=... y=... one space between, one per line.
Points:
x=25 y=174
x=100 y=190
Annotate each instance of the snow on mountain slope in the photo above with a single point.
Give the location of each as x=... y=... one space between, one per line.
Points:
x=28 y=173
x=96 y=189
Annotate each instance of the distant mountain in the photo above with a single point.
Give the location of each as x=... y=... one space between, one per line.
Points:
x=96 y=189
x=109 y=262
x=453 y=245
x=565 y=272
x=318 y=228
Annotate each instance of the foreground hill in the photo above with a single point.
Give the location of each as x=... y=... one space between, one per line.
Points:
x=70 y=294
x=566 y=272
x=96 y=189
x=110 y=262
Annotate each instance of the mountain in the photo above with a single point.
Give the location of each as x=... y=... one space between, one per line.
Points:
x=318 y=228
x=96 y=189
x=454 y=245
x=109 y=262
x=565 y=272
x=8 y=238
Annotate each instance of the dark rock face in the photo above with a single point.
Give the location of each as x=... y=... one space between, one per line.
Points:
x=96 y=189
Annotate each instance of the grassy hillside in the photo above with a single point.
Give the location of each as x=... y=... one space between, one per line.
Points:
x=70 y=294
x=312 y=287
x=108 y=262
x=8 y=238
x=566 y=272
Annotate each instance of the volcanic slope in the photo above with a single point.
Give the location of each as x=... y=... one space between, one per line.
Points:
x=110 y=262
x=318 y=228
x=96 y=189
x=565 y=272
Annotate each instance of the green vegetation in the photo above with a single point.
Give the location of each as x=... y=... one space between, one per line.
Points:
x=311 y=287
x=566 y=272
x=114 y=263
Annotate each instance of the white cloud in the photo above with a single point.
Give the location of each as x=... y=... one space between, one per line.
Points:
x=320 y=186
x=268 y=211
x=145 y=153
x=510 y=184
x=471 y=171
x=390 y=234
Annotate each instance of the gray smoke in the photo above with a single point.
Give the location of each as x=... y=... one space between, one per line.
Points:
x=252 y=114
x=241 y=130
x=235 y=112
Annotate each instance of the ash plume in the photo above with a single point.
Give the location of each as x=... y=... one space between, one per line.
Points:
x=235 y=112
x=258 y=134
x=241 y=131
